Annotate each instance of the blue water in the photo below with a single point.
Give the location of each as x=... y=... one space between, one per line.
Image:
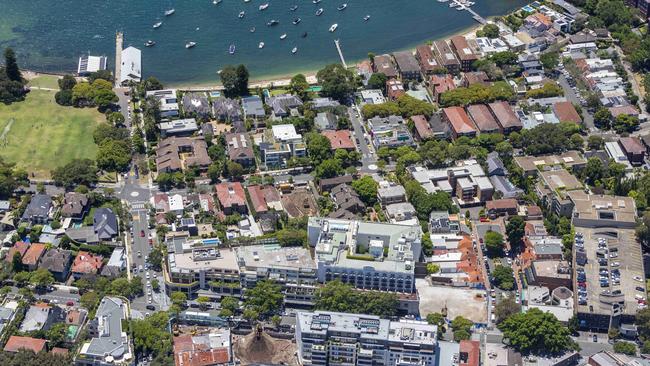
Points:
x=50 y=36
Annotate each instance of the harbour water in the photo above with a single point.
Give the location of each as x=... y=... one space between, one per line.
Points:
x=50 y=36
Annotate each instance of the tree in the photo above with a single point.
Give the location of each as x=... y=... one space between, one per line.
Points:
x=436 y=319
x=105 y=131
x=625 y=123
x=11 y=66
x=22 y=277
x=493 y=242
x=152 y=83
x=624 y=347
x=505 y=308
x=329 y=168
x=515 y=231
x=63 y=97
x=17 y=262
x=114 y=155
x=595 y=142
x=299 y=86
x=203 y=301
x=489 y=31
x=292 y=238
x=214 y=171
x=104 y=75
x=503 y=278
x=229 y=305
x=433 y=268
x=550 y=60
x=41 y=278
x=319 y=148
x=150 y=335
x=337 y=82
x=178 y=298
x=76 y=172
x=235 y=170
x=67 y=82
x=57 y=334
x=603 y=118
x=340 y=297
x=366 y=188
x=242 y=78
x=462 y=328
x=536 y=332
x=89 y=299
x=115 y=118
x=234 y=80
x=155 y=285
x=265 y=298
x=155 y=258
x=378 y=81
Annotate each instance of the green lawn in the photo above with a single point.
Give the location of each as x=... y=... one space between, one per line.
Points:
x=45 y=81
x=44 y=135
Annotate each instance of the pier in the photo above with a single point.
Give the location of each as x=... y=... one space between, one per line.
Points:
x=338 y=48
x=119 y=40
x=475 y=15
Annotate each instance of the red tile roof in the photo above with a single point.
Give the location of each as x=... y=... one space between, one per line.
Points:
x=189 y=353
x=20 y=247
x=503 y=204
x=86 y=263
x=33 y=254
x=422 y=126
x=459 y=120
x=59 y=351
x=16 y=343
x=231 y=194
x=463 y=51
x=505 y=116
x=482 y=118
x=341 y=139
x=470 y=353
x=426 y=58
x=257 y=198
x=632 y=145
x=566 y=112
x=441 y=84
x=626 y=109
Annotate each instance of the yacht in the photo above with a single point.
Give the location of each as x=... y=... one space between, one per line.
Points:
x=252 y=29
x=241 y=14
x=272 y=22
x=294 y=50
x=170 y=12
x=316 y=1
x=366 y=18
x=293 y=8
x=264 y=6
x=261 y=45
x=342 y=6
x=190 y=44
x=231 y=49
x=157 y=25
x=149 y=43
x=283 y=36
x=296 y=21
x=319 y=11
x=333 y=27
x=215 y=2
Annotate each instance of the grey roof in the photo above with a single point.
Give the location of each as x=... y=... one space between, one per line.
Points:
x=502 y=184
x=56 y=260
x=406 y=62
x=319 y=103
x=39 y=206
x=253 y=106
x=105 y=223
x=108 y=321
x=179 y=126
x=325 y=121
x=281 y=104
x=495 y=165
x=227 y=109
x=84 y=234
x=196 y=103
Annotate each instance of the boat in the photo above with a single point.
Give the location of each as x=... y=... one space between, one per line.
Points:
x=197 y=28
x=231 y=49
x=261 y=45
x=283 y=36
x=460 y=8
x=333 y=27
x=252 y=29
x=215 y=2
x=293 y=8
x=149 y=43
x=241 y=14
x=296 y=21
x=304 y=35
x=264 y=6
x=316 y=1
x=190 y=44
x=294 y=50
x=366 y=18
x=272 y=22
x=319 y=11
x=157 y=25
x=246 y=1
x=342 y=6
x=170 y=12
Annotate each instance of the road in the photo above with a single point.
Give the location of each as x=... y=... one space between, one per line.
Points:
x=367 y=153
x=570 y=94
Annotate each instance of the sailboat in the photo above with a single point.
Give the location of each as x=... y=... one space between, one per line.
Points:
x=294 y=50
x=157 y=25
x=190 y=44
x=170 y=12
x=264 y=6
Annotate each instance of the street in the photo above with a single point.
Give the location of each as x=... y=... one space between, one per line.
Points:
x=571 y=95
x=367 y=155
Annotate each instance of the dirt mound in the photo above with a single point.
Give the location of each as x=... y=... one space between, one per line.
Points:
x=251 y=350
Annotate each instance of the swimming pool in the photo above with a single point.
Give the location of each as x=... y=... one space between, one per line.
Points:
x=215 y=94
x=212 y=241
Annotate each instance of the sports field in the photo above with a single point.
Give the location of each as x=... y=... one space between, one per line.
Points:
x=39 y=135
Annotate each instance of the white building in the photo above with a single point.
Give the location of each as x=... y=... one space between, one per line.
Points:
x=168 y=102
x=131 y=68
x=89 y=64
x=328 y=338
x=372 y=96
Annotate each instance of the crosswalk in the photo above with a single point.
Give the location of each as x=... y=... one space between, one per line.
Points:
x=138 y=206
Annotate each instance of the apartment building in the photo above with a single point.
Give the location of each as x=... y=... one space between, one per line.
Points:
x=109 y=344
x=280 y=144
x=389 y=131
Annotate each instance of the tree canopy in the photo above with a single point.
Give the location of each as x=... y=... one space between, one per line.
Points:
x=76 y=172
x=366 y=187
x=503 y=278
x=337 y=296
x=536 y=332
x=477 y=93
x=234 y=80
x=493 y=243
x=337 y=82
x=265 y=299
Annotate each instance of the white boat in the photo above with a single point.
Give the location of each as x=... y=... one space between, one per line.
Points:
x=157 y=25
x=366 y=18
x=283 y=36
x=264 y=6
x=170 y=12
x=252 y=29
x=333 y=27
x=319 y=11
x=190 y=44
x=246 y=1
x=261 y=45
x=453 y=4
x=241 y=14
x=342 y=6
x=294 y=50
x=231 y=49
x=150 y=43
x=296 y=21
x=215 y=2
x=316 y=1
x=459 y=8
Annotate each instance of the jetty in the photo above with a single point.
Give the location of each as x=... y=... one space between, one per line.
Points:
x=476 y=16
x=338 y=48
x=119 y=40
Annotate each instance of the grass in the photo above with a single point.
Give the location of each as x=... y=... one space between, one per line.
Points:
x=45 y=81
x=44 y=135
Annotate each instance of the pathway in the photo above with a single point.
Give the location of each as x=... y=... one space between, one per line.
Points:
x=5 y=131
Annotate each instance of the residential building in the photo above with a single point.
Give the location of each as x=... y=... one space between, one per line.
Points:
x=441 y=222
x=341 y=139
x=372 y=96
x=264 y=198
x=440 y=84
x=178 y=153
x=502 y=207
x=58 y=262
x=131 y=68
x=552 y=190
x=423 y=129
x=353 y=251
x=86 y=264
x=347 y=201
x=109 y=344
x=463 y=52
x=168 y=102
x=389 y=192
x=403 y=212
x=33 y=256
x=530 y=64
x=394 y=89
x=292 y=268
x=323 y=104
x=38 y=210
x=213 y=348
x=253 y=107
x=384 y=64
x=18 y=343
x=325 y=121
x=75 y=205
x=176 y=204
x=280 y=144
x=445 y=56
x=20 y=247
x=428 y=63
x=498 y=175
x=327 y=184
x=389 y=131
x=240 y=149
x=283 y=103
x=196 y=104
x=616 y=153
x=459 y=122
x=178 y=127
x=483 y=119
x=364 y=70
x=470 y=353
x=116 y=263
x=489 y=46
x=505 y=116
x=231 y=197
x=633 y=149
x=89 y=64
x=531 y=165
x=566 y=112
x=328 y=338
x=41 y=316
x=407 y=65
x=475 y=77
x=227 y=110
x=105 y=223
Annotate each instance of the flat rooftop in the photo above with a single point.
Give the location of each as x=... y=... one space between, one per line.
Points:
x=616 y=209
x=203 y=259
x=275 y=256
x=561 y=180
